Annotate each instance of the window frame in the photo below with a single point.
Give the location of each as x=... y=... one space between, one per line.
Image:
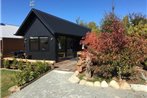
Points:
x=30 y=44
x=38 y=43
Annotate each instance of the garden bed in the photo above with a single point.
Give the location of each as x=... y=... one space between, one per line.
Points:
x=80 y=79
x=113 y=53
x=27 y=72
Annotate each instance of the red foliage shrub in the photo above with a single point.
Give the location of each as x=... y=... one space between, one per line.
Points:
x=107 y=42
x=137 y=49
x=115 y=50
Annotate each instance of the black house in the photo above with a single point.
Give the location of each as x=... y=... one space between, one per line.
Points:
x=48 y=37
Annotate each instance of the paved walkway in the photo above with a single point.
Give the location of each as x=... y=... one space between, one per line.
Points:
x=55 y=84
x=66 y=65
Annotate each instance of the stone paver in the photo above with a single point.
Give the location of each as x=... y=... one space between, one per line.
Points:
x=55 y=84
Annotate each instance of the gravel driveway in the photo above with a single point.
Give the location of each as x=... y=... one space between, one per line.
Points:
x=55 y=84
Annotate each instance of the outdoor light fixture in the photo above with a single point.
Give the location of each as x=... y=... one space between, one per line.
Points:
x=25 y=40
x=51 y=38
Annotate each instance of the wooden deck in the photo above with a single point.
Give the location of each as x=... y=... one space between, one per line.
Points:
x=30 y=60
x=66 y=65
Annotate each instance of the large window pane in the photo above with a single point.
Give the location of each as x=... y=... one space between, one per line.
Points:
x=34 y=44
x=70 y=47
x=44 y=45
x=61 y=46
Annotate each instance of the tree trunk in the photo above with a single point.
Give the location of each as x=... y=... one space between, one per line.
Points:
x=88 y=72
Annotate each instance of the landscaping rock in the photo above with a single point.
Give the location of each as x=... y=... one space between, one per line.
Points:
x=85 y=78
x=124 y=85
x=89 y=83
x=79 y=68
x=76 y=73
x=104 y=84
x=74 y=79
x=79 y=63
x=82 y=82
x=14 y=89
x=139 y=87
x=97 y=84
x=114 y=84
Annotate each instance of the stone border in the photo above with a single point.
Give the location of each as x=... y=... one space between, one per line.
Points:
x=122 y=85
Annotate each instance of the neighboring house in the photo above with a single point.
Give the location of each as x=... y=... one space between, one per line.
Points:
x=9 y=42
x=49 y=37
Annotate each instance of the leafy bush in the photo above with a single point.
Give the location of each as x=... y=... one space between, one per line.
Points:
x=19 y=79
x=135 y=23
x=113 y=52
x=6 y=63
x=31 y=71
x=20 y=65
x=145 y=64
x=108 y=21
x=14 y=63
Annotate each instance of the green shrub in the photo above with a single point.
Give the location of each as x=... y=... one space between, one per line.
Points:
x=25 y=75
x=145 y=65
x=19 y=79
x=14 y=63
x=31 y=71
x=20 y=65
x=40 y=67
x=6 y=63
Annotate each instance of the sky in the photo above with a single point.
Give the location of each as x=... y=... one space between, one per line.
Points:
x=15 y=11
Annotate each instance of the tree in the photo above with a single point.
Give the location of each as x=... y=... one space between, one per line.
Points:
x=92 y=25
x=81 y=22
x=109 y=18
x=138 y=25
x=104 y=49
x=139 y=30
x=126 y=23
x=136 y=18
x=113 y=52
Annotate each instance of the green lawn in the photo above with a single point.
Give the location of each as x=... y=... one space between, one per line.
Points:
x=7 y=81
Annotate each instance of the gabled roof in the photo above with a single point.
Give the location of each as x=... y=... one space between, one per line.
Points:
x=54 y=24
x=8 y=31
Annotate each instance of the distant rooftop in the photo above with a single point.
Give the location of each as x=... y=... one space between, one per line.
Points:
x=8 y=31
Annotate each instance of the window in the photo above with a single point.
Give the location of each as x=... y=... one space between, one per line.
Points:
x=39 y=43
x=34 y=44
x=44 y=43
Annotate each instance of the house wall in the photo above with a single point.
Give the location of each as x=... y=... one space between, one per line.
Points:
x=9 y=45
x=38 y=29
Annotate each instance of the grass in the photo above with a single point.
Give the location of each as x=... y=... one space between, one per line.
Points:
x=7 y=81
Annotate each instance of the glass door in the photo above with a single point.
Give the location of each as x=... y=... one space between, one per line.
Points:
x=70 y=47
x=61 y=47
x=65 y=47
